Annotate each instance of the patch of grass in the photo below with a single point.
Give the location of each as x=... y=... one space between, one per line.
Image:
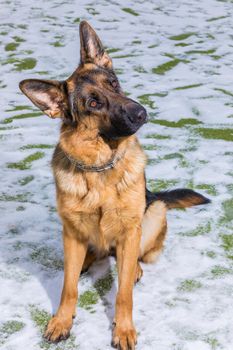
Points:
x=182 y=44
x=104 y=284
x=220 y=271
x=18 y=39
x=39 y=145
x=182 y=36
x=19 y=108
x=145 y=99
x=201 y=52
x=199 y=231
x=112 y=50
x=185 y=87
x=173 y=156
x=149 y=147
x=46 y=257
x=179 y=124
x=8 y=328
x=211 y=254
x=189 y=286
x=125 y=56
x=165 y=67
x=160 y=185
x=25 y=180
x=21 y=116
x=158 y=136
x=40 y=317
x=227 y=207
x=210 y=189
x=88 y=299
x=25 y=64
x=225 y=134
x=225 y=92
x=11 y=46
x=26 y=162
x=130 y=11
x=57 y=44
x=227 y=242
x=22 y=197
x=215 y=18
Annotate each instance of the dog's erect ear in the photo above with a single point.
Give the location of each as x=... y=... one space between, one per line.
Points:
x=48 y=95
x=91 y=48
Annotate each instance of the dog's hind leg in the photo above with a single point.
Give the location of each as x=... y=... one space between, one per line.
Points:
x=89 y=259
x=154 y=228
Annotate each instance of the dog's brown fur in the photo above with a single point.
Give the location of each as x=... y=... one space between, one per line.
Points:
x=105 y=210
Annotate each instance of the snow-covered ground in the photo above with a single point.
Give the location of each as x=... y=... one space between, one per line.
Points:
x=175 y=57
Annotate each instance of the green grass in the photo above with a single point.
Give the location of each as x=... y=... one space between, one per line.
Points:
x=189 y=286
x=210 y=189
x=158 y=136
x=179 y=124
x=26 y=162
x=215 y=18
x=199 y=231
x=216 y=134
x=182 y=36
x=39 y=316
x=11 y=46
x=185 y=87
x=25 y=64
x=225 y=92
x=22 y=197
x=19 y=108
x=160 y=184
x=130 y=11
x=220 y=271
x=87 y=299
x=9 y=328
x=227 y=242
x=146 y=98
x=104 y=284
x=227 y=207
x=165 y=67
x=25 y=180
x=46 y=257
x=201 y=52
x=22 y=116
x=39 y=145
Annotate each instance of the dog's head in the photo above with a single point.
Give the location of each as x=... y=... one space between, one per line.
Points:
x=92 y=93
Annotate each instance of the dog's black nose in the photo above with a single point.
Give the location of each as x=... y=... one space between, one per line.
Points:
x=136 y=113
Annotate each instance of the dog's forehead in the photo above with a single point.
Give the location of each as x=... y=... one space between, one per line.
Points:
x=89 y=76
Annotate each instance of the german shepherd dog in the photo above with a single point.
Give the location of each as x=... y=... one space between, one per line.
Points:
x=102 y=198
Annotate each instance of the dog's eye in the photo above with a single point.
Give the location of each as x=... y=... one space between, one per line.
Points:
x=93 y=103
x=114 y=83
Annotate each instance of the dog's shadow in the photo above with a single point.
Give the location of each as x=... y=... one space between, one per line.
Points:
x=102 y=275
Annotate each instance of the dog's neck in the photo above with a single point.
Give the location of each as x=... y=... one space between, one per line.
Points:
x=86 y=146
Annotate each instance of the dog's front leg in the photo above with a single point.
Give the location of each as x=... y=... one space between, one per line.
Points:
x=124 y=333
x=74 y=254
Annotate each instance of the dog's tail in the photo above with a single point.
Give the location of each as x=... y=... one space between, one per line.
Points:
x=178 y=198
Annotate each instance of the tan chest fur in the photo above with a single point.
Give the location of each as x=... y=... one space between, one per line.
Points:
x=103 y=206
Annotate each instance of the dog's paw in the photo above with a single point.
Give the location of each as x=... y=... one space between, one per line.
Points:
x=58 y=329
x=124 y=338
x=139 y=273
